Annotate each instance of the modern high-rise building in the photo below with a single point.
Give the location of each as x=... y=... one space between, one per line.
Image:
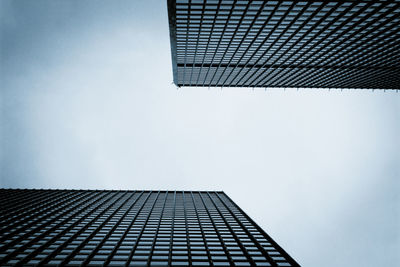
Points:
x=131 y=228
x=304 y=43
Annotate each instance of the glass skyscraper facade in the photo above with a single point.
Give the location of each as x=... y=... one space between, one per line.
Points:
x=131 y=228
x=305 y=43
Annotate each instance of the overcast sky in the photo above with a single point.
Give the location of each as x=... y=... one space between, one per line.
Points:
x=87 y=102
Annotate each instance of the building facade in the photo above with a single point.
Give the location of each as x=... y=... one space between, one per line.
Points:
x=131 y=228
x=305 y=43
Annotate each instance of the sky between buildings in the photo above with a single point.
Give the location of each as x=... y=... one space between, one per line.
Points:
x=87 y=101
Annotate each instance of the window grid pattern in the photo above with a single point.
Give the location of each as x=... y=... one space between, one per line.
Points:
x=313 y=44
x=131 y=228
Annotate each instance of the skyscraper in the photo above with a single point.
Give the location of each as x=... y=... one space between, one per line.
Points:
x=131 y=228
x=306 y=43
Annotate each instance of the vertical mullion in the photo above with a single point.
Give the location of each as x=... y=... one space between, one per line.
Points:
x=203 y=234
x=299 y=14
x=14 y=202
x=347 y=70
x=187 y=229
x=241 y=42
x=264 y=253
x=239 y=242
x=216 y=229
x=363 y=52
x=37 y=227
x=310 y=30
x=304 y=55
x=141 y=231
x=260 y=45
x=260 y=230
x=30 y=209
x=371 y=28
x=186 y=43
x=386 y=53
x=9 y=196
x=92 y=254
x=197 y=41
x=94 y=229
x=158 y=229
x=266 y=38
x=219 y=42
x=24 y=246
x=172 y=232
x=111 y=255
x=54 y=238
x=209 y=39
x=233 y=37
x=254 y=52
x=57 y=201
x=346 y=75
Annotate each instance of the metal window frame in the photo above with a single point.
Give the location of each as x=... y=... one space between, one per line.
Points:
x=187 y=227
x=248 y=57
